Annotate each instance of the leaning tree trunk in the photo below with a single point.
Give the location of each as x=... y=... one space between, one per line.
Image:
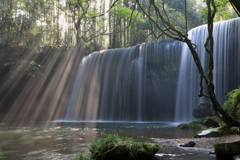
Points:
x=236 y=6
x=169 y=30
x=209 y=78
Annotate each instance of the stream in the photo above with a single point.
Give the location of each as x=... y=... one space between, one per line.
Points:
x=65 y=140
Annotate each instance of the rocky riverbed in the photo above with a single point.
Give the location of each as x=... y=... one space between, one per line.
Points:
x=204 y=146
x=207 y=143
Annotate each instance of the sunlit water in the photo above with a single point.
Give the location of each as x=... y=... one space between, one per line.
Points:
x=66 y=140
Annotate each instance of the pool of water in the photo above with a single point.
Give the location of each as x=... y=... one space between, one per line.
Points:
x=62 y=140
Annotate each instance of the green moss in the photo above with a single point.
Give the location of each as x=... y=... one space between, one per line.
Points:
x=227 y=150
x=114 y=147
x=183 y=126
x=213 y=121
x=232 y=105
x=199 y=124
x=81 y=157
x=235 y=130
x=225 y=130
x=196 y=124
x=232 y=99
x=196 y=121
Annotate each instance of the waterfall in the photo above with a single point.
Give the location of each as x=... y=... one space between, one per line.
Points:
x=226 y=66
x=154 y=81
x=129 y=84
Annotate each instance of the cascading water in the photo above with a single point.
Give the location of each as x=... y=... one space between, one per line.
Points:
x=141 y=83
x=226 y=66
x=131 y=84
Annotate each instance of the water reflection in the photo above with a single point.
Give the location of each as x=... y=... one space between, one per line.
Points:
x=64 y=141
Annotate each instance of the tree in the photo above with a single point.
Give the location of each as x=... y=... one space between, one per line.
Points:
x=125 y=13
x=158 y=18
x=87 y=25
x=225 y=10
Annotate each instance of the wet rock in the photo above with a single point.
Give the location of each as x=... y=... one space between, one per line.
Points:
x=183 y=126
x=212 y=121
x=235 y=130
x=191 y=125
x=227 y=150
x=188 y=144
x=232 y=104
x=203 y=110
x=113 y=147
x=215 y=132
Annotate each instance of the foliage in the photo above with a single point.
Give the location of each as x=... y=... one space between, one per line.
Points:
x=114 y=146
x=125 y=12
x=30 y=68
x=81 y=157
x=224 y=11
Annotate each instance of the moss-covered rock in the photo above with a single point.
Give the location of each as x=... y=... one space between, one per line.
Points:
x=213 y=121
x=232 y=104
x=202 y=110
x=227 y=150
x=183 y=126
x=187 y=126
x=235 y=130
x=115 y=147
x=202 y=123
x=196 y=124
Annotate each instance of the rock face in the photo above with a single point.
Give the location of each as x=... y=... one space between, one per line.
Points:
x=203 y=110
x=227 y=150
x=232 y=104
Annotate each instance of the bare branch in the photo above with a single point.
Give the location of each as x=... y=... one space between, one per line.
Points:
x=151 y=20
x=163 y=7
x=107 y=10
x=131 y=17
x=186 y=16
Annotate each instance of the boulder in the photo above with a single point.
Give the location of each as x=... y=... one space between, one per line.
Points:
x=111 y=147
x=227 y=150
x=183 y=126
x=212 y=121
x=191 y=125
x=232 y=104
x=235 y=130
x=203 y=110
x=188 y=144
